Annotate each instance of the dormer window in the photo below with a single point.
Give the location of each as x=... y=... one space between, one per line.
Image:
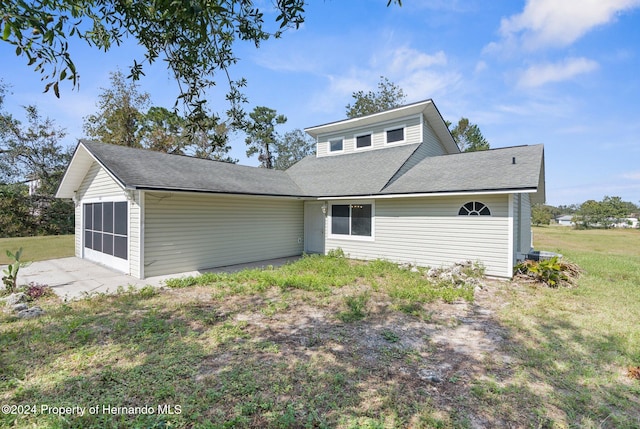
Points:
x=336 y=145
x=395 y=135
x=363 y=140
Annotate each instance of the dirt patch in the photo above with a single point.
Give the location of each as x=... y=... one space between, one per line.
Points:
x=435 y=357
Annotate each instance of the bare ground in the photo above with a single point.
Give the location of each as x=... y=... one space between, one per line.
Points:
x=431 y=359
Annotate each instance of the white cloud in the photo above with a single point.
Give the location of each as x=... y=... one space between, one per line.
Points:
x=540 y=74
x=405 y=59
x=553 y=23
x=421 y=75
x=632 y=175
x=481 y=66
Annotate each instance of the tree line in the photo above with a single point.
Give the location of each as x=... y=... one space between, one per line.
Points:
x=607 y=213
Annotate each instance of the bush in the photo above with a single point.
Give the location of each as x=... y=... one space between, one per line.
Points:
x=552 y=272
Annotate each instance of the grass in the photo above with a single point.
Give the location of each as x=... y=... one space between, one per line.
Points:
x=576 y=344
x=38 y=248
x=330 y=342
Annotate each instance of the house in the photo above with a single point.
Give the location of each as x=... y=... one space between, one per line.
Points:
x=565 y=220
x=389 y=185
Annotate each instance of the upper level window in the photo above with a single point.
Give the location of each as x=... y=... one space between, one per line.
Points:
x=351 y=219
x=474 y=208
x=395 y=135
x=335 y=145
x=363 y=141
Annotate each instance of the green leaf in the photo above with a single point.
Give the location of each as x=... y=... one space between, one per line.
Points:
x=7 y=32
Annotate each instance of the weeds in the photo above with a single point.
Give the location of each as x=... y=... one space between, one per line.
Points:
x=553 y=272
x=356 y=308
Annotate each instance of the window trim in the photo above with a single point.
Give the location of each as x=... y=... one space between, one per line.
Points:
x=350 y=237
x=403 y=127
x=355 y=141
x=333 y=140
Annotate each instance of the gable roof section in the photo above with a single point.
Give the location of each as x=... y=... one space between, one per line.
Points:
x=150 y=170
x=361 y=173
x=426 y=108
x=483 y=171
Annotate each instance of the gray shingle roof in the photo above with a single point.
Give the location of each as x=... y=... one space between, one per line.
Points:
x=357 y=174
x=145 y=169
x=361 y=173
x=473 y=171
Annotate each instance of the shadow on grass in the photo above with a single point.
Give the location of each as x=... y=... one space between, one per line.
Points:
x=227 y=364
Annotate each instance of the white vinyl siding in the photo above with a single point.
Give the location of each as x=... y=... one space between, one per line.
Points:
x=522 y=225
x=185 y=232
x=432 y=145
x=428 y=232
x=412 y=133
x=135 y=234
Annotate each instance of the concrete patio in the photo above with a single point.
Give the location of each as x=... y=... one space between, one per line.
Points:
x=73 y=278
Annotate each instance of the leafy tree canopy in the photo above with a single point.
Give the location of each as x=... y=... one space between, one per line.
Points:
x=468 y=136
x=603 y=213
x=123 y=119
x=120 y=113
x=261 y=134
x=388 y=96
x=292 y=147
x=195 y=38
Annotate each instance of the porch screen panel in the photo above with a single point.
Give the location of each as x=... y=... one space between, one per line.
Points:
x=105 y=228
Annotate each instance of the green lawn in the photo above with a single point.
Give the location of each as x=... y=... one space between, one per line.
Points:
x=37 y=248
x=329 y=342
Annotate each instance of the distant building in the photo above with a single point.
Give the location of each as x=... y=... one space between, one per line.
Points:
x=629 y=222
x=565 y=220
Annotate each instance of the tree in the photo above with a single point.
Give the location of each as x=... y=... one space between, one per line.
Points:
x=603 y=214
x=34 y=151
x=541 y=214
x=120 y=113
x=291 y=148
x=194 y=38
x=388 y=96
x=261 y=134
x=164 y=131
x=468 y=136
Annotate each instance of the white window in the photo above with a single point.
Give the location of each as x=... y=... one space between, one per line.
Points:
x=363 y=140
x=352 y=220
x=394 y=135
x=336 y=145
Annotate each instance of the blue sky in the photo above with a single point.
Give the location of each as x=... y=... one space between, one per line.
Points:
x=562 y=73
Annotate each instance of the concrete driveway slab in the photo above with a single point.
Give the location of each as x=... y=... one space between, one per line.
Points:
x=73 y=278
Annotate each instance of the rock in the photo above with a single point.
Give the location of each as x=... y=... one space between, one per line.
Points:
x=415 y=269
x=433 y=272
x=15 y=298
x=429 y=375
x=31 y=313
x=19 y=307
x=456 y=270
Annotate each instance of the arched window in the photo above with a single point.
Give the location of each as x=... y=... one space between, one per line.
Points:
x=474 y=208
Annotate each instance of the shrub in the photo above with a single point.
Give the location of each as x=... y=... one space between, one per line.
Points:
x=552 y=272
